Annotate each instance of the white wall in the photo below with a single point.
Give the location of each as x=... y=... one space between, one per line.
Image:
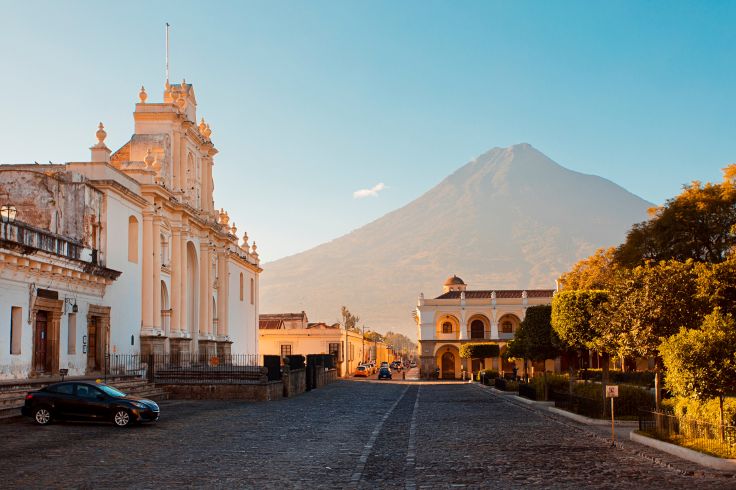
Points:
x=124 y=295
x=242 y=315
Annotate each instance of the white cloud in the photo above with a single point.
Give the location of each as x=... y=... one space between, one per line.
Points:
x=372 y=192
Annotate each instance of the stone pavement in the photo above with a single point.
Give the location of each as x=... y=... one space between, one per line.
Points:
x=347 y=435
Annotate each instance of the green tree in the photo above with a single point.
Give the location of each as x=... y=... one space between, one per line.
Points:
x=578 y=318
x=596 y=272
x=652 y=303
x=701 y=363
x=697 y=224
x=535 y=340
x=717 y=285
x=349 y=321
x=479 y=350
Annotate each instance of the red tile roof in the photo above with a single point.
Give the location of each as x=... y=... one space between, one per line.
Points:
x=501 y=293
x=271 y=324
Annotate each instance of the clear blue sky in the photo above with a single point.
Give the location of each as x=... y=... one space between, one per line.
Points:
x=311 y=101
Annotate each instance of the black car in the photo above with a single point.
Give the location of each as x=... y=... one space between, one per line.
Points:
x=79 y=400
x=384 y=373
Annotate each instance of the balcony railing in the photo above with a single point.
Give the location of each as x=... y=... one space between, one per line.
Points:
x=29 y=238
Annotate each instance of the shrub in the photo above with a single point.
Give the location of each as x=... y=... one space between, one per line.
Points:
x=479 y=350
x=639 y=378
x=630 y=398
x=486 y=374
x=555 y=382
x=707 y=411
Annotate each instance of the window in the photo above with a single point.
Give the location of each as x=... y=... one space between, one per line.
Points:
x=72 y=333
x=507 y=327
x=252 y=291
x=241 y=286
x=285 y=350
x=16 y=326
x=65 y=389
x=335 y=351
x=476 y=329
x=132 y=239
x=86 y=391
x=447 y=327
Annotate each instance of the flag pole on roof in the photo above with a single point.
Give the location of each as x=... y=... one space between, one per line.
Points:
x=167 y=53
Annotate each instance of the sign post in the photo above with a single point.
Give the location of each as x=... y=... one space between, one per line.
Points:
x=612 y=392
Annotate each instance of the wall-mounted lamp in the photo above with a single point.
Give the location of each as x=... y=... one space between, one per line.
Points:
x=73 y=302
x=8 y=211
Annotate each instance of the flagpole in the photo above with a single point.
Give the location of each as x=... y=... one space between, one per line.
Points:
x=167 y=53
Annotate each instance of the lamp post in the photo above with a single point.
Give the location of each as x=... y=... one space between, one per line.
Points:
x=8 y=211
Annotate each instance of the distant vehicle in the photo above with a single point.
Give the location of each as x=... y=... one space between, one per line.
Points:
x=396 y=365
x=384 y=364
x=362 y=371
x=412 y=364
x=83 y=400
x=384 y=373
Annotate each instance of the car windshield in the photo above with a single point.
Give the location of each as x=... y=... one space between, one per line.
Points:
x=111 y=391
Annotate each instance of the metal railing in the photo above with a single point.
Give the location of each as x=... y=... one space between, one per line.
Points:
x=188 y=368
x=706 y=437
x=31 y=237
x=588 y=407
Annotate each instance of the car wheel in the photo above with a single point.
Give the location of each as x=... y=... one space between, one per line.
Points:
x=42 y=416
x=121 y=418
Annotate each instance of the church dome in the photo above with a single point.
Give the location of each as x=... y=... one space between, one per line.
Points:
x=454 y=281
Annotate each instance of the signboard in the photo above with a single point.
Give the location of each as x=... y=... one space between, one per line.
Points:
x=611 y=391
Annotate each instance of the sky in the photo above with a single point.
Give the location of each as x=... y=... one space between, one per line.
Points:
x=329 y=114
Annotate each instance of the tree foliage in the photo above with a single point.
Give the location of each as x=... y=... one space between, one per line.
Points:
x=701 y=363
x=349 y=321
x=653 y=302
x=717 y=285
x=597 y=272
x=535 y=340
x=697 y=224
x=576 y=318
x=479 y=350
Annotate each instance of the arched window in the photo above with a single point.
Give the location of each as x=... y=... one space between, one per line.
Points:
x=507 y=327
x=476 y=329
x=252 y=291
x=447 y=327
x=241 y=286
x=133 y=240
x=164 y=250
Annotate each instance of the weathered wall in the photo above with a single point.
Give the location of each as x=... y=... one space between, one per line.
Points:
x=54 y=200
x=295 y=382
x=250 y=392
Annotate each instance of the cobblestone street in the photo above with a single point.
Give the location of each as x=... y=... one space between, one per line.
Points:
x=346 y=435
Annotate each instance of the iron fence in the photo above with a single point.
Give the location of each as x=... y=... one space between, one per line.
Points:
x=706 y=437
x=188 y=368
x=588 y=407
x=527 y=391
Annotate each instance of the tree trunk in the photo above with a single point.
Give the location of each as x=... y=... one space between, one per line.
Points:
x=606 y=361
x=723 y=429
x=658 y=382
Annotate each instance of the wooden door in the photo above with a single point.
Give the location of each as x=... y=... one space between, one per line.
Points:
x=40 y=337
x=448 y=365
x=93 y=344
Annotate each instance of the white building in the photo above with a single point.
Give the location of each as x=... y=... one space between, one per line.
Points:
x=134 y=240
x=460 y=315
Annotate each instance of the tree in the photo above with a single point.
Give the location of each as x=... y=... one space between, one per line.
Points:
x=349 y=321
x=596 y=272
x=579 y=321
x=535 y=340
x=701 y=363
x=717 y=285
x=479 y=350
x=697 y=224
x=651 y=303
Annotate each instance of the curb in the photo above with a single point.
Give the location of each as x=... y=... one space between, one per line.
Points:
x=588 y=421
x=685 y=453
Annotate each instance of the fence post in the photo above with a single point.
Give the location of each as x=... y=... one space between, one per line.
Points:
x=151 y=363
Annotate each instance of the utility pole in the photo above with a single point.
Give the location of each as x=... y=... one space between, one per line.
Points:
x=362 y=351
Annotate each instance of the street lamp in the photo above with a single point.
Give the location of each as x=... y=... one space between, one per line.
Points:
x=8 y=212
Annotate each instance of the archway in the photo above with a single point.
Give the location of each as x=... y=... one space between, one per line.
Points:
x=448 y=366
x=477 y=329
x=165 y=309
x=192 y=317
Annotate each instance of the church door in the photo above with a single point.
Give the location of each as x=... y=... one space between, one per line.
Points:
x=448 y=366
x=94 y=363
x=40 y=335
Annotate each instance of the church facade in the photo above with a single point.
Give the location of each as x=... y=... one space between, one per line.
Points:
x=459 y=316
x=125 y=253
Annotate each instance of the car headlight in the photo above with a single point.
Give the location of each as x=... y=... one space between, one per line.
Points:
x=138 y=405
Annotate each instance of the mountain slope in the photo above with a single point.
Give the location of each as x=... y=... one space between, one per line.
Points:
x=511 y=218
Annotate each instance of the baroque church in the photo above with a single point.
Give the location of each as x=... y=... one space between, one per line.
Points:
x=125 y=253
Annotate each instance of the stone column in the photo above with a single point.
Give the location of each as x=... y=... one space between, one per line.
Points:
x=177 y=307
x=175 y=161
x=156 y=279
x=204 y=270
x=183 y=266
x=147 y=277
x=221 y=294
x=210 y=293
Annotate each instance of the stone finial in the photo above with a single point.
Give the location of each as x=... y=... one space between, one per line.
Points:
x=207 y=131
x=224 y=218
x=234 y=229
x=149 y=158
x=101 y=135
x=245 y=239
x=202 y=126
x=254 y=250
x=184 y=86
x=142 y=95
